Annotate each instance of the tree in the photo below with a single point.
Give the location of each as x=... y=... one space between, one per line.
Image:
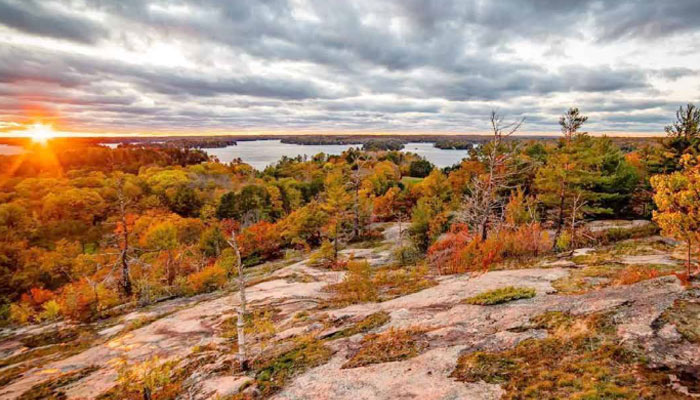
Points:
x=240 y=323
x=185 y=202
x=683 y=136
x=486 y=198
x=677 y=196
x=571 y=122
x=584 y=176
x=420 y=168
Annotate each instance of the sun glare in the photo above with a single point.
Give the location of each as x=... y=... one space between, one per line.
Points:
x=40 y=133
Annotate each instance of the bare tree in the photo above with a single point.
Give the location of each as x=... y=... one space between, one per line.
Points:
x=240 y=323
x=356 y=177
x=123 y=203
x=483 y=206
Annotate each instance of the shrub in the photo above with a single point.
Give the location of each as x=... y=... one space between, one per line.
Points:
x=407 y=255
x=83 y=301
x=525 y=240
x=210 y=278
x=458 y=252
x=356 y=287
x=501 y=295
x=563 y=241
x=325 y=256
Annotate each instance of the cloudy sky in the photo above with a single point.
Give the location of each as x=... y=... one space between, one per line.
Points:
x=214 y=66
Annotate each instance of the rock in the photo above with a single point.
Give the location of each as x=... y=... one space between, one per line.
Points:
x=423 y=377
x=112 y=330
x=669 y=332
x=649 y=259
x=582 y=252
x=560 y=264
x=224 y=385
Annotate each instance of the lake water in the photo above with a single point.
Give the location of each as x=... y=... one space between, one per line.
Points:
x=261 y=153
x=9 y=150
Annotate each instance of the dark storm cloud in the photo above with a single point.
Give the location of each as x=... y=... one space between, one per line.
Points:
x=36 y=18
x=365 y=64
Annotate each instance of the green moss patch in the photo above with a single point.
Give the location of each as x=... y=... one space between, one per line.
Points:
x=501 y=295
x=273 y=373
x=685 y=315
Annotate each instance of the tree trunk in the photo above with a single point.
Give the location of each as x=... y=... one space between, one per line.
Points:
x=560 y=223
x=240 y=323
x=146 y=393
x=126 y=279
x=687 y=262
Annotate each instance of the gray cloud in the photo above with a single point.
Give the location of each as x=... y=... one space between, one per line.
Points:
x=36 y=18
x=366 y=64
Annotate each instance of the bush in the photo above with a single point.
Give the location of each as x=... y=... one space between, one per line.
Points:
x=501 y=295
x=563 y=241
x=210 y=278
x=357 y=286
x=458 y=251
x=407 y=255
x=528 y=240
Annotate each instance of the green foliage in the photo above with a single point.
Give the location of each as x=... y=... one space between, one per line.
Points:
x=501 y=295
x=420 y=168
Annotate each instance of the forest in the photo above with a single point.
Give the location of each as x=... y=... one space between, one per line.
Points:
x=88 y=233
x=86 y=228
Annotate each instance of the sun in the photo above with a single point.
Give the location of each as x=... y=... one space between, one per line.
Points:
x=40 y=133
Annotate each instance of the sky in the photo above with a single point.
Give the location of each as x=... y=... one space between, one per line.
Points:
x=367 y=66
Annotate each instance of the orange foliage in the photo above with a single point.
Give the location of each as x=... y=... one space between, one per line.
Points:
x=36 y=297
x=263 y=239
x=209 y=278
x=458 y=252
x=526 y=240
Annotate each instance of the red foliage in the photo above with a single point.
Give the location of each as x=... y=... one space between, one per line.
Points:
x=458 y=251
x=37 y=296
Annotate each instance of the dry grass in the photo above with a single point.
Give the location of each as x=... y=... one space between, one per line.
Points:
x=392 y=345
x=362 y=284
x=372 y=321
x=581 y=359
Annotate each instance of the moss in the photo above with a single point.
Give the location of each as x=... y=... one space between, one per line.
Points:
x=581 y=359
x=9 y=375
x=684 y=314
x=51 y=336
x=372 y=321
x=272 y=374
x=51 y=389
x=501 y=295
x=392 y=345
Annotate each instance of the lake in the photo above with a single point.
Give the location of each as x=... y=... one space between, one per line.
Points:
x=261 y=153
